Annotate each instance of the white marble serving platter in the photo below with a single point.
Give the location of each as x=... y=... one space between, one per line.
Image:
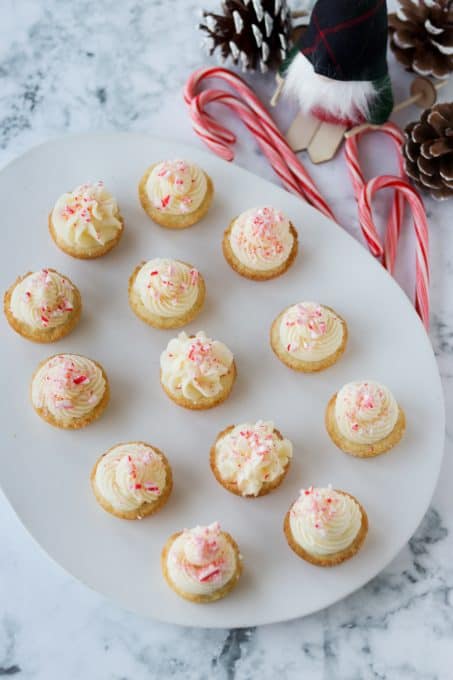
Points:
x=44 y=472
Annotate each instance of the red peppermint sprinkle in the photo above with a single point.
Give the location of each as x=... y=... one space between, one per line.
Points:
x=165 y=201
x=211 y=573
x=80 y=380
x=154 y=272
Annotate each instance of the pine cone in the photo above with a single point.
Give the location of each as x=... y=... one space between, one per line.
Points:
x=428 y=151
x=421 y=36
x=254 y=33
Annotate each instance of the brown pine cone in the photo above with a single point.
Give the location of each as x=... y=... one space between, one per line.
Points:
x=421 y=36
x=254 y=34
x=428 y=151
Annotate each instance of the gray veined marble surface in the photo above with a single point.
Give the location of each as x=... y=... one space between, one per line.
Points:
x=69 y=66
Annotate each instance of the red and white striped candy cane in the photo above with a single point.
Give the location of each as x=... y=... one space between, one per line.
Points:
x=256 y=118
x=388 y=250
x=408 y=193
x=404 y=192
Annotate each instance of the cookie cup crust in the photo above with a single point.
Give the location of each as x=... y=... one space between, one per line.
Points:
x=255 y=274
x=145 y=509
x=266 y=487
x=363 y=450
x=165 y=322
x=85 y=253
x=227 y=382
x=298 y=364
x=174 y=221
x=42 y=335
x=336 y=558
x=217 y=594
x=75 y=424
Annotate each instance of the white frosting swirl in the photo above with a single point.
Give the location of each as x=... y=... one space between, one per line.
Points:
x=69 y=386
x=44 y=299
x=87 y=216
x=251 y=454
x=365 y=412
x=176 y=187
x=324 y=521
x=261 y=238
x=129 y=475
x=201 y=560
x=167 y=288
x=310 y=332
x=194 y=366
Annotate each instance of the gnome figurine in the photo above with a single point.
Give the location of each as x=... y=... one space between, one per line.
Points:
x=337 y=71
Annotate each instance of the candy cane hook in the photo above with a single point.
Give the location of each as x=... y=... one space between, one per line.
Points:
x=256 y=118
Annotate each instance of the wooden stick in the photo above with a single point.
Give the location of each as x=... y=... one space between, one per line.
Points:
x=416 y=97
x=278 y=90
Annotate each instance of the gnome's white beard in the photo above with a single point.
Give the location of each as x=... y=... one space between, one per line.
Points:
x=341 y=99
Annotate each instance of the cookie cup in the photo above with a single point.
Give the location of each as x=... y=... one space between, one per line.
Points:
x=75 y=424
x=298 y=364
x=174 y=221
x=227 y=382
x=232 y=487
x=216 y=595
x=165 y=322
x=42 y=335
x=363 y=450
x=85 y=253
x=145 y=509
x=336 y=558
x=254 y=274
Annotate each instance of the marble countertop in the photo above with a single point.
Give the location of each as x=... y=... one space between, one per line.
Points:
x=72 y=66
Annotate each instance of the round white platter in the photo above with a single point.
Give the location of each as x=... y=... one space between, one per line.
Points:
x=44 y=471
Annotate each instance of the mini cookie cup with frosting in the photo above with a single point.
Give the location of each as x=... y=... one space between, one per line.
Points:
x=132 y=480
x=325 y=526
x=309 y=337
x=86 y=223
x=176 y=194
x=197 y=372
x=166 y=293
x=260 y=244
x=364 y=419
x=69 y=391
x=42 y=306
x=202 y=564
x=251 y=460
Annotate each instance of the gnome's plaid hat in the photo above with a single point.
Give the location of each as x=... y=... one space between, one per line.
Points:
x=346 y=39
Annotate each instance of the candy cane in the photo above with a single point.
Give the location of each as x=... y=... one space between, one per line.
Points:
x=409 y=194
x=389 y=249
x=256 y=118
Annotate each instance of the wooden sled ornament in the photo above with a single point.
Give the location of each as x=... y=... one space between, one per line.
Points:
x=322 y=140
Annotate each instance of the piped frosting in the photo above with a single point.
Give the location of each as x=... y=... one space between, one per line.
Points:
x=365 y=412
x=261 y=238
x=43 y=299
x=250 y=455
x=194 y=366
x=129 y=475
x=68 y=386
x=324 y=521
x=176 y=187
x=167 y=288
x=201 y=560
x=87 y=217
x=310 y=332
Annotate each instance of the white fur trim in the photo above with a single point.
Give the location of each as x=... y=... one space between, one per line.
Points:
x=342 y=99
